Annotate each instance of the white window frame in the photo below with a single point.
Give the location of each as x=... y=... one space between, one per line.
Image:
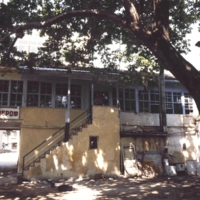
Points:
x=181 y=102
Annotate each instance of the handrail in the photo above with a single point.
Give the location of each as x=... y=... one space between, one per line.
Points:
x=23 y=164
x=44 y=141
x=44 y=147
x=80 y=115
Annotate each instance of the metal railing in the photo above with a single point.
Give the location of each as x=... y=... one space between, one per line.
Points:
x=55 y=139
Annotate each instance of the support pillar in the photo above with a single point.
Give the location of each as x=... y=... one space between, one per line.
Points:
x=163 y=116
x=67 y=117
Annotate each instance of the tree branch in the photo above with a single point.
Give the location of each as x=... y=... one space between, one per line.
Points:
x=5 y=36
x=68 y=15
x=7 y=54
x=132 y=12
x=161 y=17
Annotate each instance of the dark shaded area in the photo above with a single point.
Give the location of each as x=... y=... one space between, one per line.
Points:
x=197 y=44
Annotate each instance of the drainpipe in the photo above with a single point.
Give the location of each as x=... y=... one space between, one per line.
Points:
x=67 y=117
x=117 y=94
x=162 y=112
x=92 y=100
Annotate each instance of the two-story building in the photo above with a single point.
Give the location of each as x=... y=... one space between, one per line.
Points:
x=112 y=126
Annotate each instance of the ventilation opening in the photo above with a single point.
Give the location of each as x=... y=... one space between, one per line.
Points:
x=93 y=142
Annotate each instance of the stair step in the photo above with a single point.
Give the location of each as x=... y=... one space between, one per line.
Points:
x=38 y=160
x=43 y=156
x=73 y=132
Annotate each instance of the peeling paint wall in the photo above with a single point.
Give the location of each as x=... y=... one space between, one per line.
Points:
x=75 y=158
x=182 y=132
x=148 y=150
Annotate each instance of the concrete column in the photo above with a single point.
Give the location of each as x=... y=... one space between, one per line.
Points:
x=117 y=95
x=92 y=94
x=163 y=117
x=67 y=117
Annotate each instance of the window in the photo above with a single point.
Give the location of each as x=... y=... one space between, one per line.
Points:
x=121 y=98
x=45 y=94
x=129 y=100
x=173 y=103
x=16 y=93
x=76 y=96
x=4 y=90
x=32 y=93
x=61 y=95
x=188 y=104
x=143 y=101
x=93 y=142
x=168 y=100
x=154 y=102
x=39 y=94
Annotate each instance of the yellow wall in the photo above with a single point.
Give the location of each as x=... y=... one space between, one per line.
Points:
x=38 y=124
x=74 y=158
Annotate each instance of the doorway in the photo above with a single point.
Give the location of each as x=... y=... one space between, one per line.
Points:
x=9 y=150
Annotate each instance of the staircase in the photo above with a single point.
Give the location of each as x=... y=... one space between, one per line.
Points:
x=55 y=140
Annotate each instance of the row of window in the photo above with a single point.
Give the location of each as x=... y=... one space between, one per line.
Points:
x=38 y=94
x=42 y=94
x=148 y=101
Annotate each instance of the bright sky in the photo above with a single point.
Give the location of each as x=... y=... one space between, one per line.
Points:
x=194 y=55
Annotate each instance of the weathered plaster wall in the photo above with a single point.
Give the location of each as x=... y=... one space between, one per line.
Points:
x=38 y=124
x=140 y=119
x=74 y=158
x=9 y=74
x=181 y=130
x=148 y=150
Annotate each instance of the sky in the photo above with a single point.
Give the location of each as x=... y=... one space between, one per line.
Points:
x=194 y=55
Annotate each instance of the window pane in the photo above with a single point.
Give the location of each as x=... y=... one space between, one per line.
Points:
x=188 y=104
x=121 y=100
x=45 y=94
x=127 y=106
x=32 y=100
x=61 y=89
x=177 y=97
x=143 y=101
x=126 y=94
x=32 y=93
x=16 y=93
x=76 y=96
x=4 y=85
x=154 y=108
x=178 y=109
x=132 y=105
x=45 y=100
x=33 y=87
x=168 y=97
x=58 y=101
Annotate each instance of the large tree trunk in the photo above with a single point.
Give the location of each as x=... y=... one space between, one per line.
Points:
x=184 y=72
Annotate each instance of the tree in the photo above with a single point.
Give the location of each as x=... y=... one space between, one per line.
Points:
x=154 y=29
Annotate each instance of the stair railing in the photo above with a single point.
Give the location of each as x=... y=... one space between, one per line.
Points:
x=54 y=140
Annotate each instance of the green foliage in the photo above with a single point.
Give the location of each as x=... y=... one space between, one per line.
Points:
x=95 y=34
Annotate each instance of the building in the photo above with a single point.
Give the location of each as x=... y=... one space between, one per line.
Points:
x=9 y=139
x=99 y=137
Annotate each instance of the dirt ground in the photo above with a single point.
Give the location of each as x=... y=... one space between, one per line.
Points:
x=168 y=188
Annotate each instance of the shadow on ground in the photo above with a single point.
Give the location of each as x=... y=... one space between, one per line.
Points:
x=168 y=188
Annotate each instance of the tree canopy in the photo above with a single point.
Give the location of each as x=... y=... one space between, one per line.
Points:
x=153 y=29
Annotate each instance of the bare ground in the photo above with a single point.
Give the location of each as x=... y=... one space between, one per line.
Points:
x=168 y=188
